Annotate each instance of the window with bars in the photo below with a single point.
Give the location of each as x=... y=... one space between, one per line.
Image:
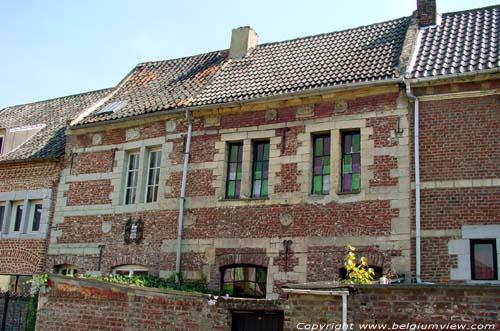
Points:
x=484 y=259
x=132 y=174
x=244 y=281
x=321 y=164
x=36 y=217
x=260 y=169
x=351 y=161
x=234 y=166
x=153 y=181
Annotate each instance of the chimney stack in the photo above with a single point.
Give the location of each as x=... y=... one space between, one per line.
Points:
x=426 y=13
x=243 y=40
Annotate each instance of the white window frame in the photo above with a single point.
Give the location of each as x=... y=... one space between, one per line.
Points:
x=129 y=172
x=130 y=268
x=31 y=218
x=13 y=216
x=3 y=217
x=156 y=173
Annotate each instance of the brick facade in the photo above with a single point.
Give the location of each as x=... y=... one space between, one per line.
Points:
x=460 y=174
x=91 y=211
x=24 y=252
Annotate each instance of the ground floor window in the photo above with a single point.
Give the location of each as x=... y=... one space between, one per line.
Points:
x=15 y=283
x=244 y=281
x=67 y=270
x=130 y=270
x=483 y=259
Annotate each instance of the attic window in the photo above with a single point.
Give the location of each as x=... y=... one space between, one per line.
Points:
x=112 y=107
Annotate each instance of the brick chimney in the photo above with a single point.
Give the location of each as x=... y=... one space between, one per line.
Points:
x=243 y=40
x=426 y=12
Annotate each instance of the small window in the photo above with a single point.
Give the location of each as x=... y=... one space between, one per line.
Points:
x=484 y=259
x=67 y=270
x=153 y=181
x=1 y=144
x=244 y=281
x=130 y=270
x=234 y=166
x=351 y=162
x=2 y=215
x=36 y=216
x=132 y=175
x=321 y=164
x=260 y=171
x=17 y=217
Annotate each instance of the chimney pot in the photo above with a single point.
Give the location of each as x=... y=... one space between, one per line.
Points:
x=243 y=40
x=426 y=12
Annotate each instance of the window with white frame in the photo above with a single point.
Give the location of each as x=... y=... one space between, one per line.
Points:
x=132 y=176
x=153 y=176
x=35 y=216
x=17 y=216
x=130 y=270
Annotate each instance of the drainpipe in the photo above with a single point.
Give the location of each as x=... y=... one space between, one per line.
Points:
x=342 y=293
x=416 y=157
x=183 y=195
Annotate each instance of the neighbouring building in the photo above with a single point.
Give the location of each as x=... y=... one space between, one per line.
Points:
x=32 y=141
x=273 y=157
x=455 y=76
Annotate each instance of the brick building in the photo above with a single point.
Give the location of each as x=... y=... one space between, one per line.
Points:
x=31 y=149
x=266 y=160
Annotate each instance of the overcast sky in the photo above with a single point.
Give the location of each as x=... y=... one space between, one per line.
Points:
x=54 y=48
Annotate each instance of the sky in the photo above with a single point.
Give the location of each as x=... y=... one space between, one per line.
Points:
x=53 y=48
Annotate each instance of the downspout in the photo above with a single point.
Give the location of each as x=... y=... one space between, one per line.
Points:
x=183 y=196
x=416 y=157
x=342 y=293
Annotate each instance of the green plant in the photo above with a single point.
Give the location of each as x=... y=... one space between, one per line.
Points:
x=37 y=283
x=356 y=272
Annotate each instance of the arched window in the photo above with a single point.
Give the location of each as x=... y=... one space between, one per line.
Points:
x=244 y=281
x=130 y=270
x=66 y=270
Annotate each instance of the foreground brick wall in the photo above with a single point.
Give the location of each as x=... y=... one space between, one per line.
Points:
x=92 y=305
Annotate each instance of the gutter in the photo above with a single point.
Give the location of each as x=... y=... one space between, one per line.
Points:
x=342 y=293
x=183 y=196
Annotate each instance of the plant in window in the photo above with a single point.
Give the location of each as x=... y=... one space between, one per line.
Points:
x=356 y=272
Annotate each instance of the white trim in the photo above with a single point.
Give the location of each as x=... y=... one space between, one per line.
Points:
x=127 y=176
x=155 y=168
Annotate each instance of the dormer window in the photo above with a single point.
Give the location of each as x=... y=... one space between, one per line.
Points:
x=12 y=138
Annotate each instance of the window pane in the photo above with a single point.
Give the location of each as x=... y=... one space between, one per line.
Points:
x=484 y=266
x=153 y=176
x=351 y=162
x=2 y=214
x=132 y=174
x=234 y=168
x=36 y=217
x=239 y=273
x=321 y=164
x=260 y=168
x=242 y=281
x=19 y=217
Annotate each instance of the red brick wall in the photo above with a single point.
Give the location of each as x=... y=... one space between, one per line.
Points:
x=95 y=192
x=28 y=176
x=93 y=162
x=460 y=138
x=22 y=257
x=87 y=305
x=413 y=304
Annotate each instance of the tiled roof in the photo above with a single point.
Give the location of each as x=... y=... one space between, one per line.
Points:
x=465 y=41
x=154 y=86
x=49 y=142
x=363 y=54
